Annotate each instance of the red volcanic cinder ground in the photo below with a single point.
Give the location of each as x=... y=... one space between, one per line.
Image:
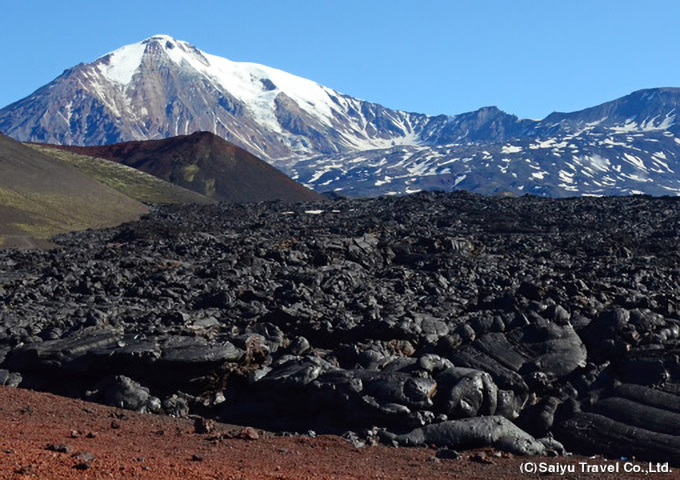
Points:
x=50 y=437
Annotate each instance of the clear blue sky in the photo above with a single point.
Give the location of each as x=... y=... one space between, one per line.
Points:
x=528 y=57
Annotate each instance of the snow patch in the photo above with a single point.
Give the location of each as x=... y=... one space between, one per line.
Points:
x=629 y=126
x=383 y=181
x=511 y=149
x=566 y=177
x=635 y=161
x=120 y=65
x=611 y=143
x=546 y=144
x=653 y=124
x=446 y=162
x=659 y=158
x=599 y=162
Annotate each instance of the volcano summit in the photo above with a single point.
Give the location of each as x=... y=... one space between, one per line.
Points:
x=163 y=87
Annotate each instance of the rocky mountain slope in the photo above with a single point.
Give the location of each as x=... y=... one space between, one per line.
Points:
x=163 y=87
x=628 y=146
x=207 y=164
x=41 y=196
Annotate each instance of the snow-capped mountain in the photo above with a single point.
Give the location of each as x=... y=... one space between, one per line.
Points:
x=163 y=87
x=628 y=146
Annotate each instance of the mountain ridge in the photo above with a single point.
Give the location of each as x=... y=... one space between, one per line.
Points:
x=330 y=141
x=84 y=105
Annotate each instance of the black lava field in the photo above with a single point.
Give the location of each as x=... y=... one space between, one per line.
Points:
x=456 y=320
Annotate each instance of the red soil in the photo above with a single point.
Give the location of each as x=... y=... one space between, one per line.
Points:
x=102 y=442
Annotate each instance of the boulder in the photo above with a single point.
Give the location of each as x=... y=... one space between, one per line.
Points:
x=123 y=392
x=481 y=432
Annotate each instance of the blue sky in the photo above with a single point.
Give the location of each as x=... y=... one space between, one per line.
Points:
x=528 y=57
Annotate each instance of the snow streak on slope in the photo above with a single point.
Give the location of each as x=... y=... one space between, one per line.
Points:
x=585 y=163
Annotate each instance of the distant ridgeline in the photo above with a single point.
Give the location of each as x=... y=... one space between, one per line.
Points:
x=163 y=87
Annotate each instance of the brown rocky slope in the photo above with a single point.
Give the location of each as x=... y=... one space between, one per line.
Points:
x=207 y=164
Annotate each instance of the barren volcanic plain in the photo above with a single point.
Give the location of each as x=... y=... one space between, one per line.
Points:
x=449 y=321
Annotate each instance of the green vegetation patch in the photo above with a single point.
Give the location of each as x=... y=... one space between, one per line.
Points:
x=190 y=172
